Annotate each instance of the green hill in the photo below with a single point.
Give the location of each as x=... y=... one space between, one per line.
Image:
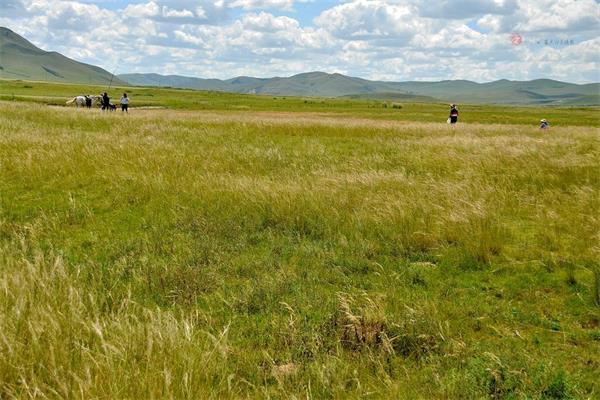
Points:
x=20 y=59
x=306 y=84
x=174 y=81
x=539 y=91
x=535 y=92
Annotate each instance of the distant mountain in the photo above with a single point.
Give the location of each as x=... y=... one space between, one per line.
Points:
x=320 y=84
x=539 y=91
x=174 y=81
x=20 y=59
x=307 y=84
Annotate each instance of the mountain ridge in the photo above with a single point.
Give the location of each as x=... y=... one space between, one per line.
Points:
x=322 y=84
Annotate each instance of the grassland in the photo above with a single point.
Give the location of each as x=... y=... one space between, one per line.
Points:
x=267 y=252
x=181 y=99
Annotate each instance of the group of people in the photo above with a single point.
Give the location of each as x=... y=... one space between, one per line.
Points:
x=453 y=118
x=107 y=106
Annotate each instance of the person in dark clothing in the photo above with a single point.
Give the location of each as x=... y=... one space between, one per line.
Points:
x=105 y=101
x=88 y=101
x=453 y=114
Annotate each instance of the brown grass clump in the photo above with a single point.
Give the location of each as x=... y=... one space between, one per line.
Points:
x=414 y=334
x=365 y=328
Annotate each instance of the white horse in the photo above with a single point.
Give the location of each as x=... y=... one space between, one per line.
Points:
x=82 y=101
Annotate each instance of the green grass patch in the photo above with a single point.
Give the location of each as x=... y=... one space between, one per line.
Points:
x=183 y=99
x=234 y=254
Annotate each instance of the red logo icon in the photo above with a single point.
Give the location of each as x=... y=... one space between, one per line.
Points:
x=516 y=39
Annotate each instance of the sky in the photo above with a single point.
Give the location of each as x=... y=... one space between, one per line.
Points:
x=394 y=40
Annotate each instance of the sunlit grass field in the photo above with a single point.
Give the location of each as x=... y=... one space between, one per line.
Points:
x=281 y=251
x=181 y=99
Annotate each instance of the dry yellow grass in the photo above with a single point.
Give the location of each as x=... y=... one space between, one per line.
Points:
x=186 y=254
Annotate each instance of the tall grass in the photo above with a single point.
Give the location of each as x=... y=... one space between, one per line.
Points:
x=185 y=255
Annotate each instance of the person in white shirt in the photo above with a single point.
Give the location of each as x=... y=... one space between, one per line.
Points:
x=124 y=102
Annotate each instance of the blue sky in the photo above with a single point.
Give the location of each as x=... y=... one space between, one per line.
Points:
x=303 y=12
x=308 y=11
x=375 y=39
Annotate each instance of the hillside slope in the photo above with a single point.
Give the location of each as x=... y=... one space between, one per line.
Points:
x=20 y=59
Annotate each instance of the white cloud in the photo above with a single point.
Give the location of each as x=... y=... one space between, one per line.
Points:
x=265 y=22
x=546 y=16
x=376 y=39
x=142 y=10
x=366 y=19
x=178 y=11
x=168 y=13
x=561 y=15
x=191 y=39
x=286 y=5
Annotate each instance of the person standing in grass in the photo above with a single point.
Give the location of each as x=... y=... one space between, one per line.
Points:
x=453 y=114
x=543 y=124
x=105 y=101
x=124 y=103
